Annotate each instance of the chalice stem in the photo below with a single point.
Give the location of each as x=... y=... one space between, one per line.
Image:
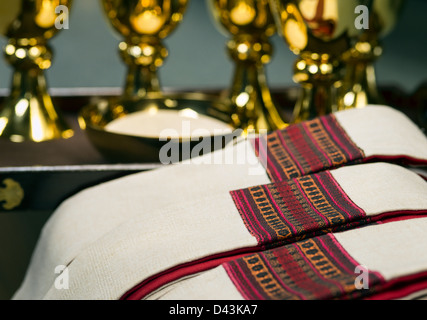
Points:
x=28 y=113
x=251 y=98
x=143 y=57
x=141 y=80
x=315 y=100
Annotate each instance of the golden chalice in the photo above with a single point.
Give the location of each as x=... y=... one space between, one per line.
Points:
x=319 y=32
x=360 y=86
x=131 y=127
x=28 y=112
x=250 y=24
x=143 y=24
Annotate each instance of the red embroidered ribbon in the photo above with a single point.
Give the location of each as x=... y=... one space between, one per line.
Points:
x=286 y=211
x=316 y=268
x=305 y=148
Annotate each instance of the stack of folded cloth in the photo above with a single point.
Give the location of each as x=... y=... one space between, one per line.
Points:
x=301 y=213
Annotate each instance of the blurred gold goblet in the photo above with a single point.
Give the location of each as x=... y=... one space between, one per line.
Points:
x=251 y=24
x=143 y=24
x=360 y=86
x=28 y=113
x=319 y=32
x=144 y=112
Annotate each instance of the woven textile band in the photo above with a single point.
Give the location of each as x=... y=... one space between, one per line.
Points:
x=316 y=268
x=305 y=148
x=380 y=261
x=278 y=212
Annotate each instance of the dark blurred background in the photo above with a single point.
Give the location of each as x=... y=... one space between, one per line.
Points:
x=86 y=55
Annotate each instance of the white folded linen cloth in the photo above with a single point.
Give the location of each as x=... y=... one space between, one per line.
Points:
x=145 y=252
x=158 y=198
x=381 y=262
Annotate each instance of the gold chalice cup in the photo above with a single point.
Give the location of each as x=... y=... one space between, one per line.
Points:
x=28 y=112
x=319 y=32
x=131 y=128
x=143 y=24
x=360 y=84
x=250 y=24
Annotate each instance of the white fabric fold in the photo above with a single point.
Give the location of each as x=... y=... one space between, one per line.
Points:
x=174 y=193
x=393 y=249
x=146 y=244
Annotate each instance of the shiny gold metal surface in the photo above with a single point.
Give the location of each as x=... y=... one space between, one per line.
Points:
x=250 y=25
x=319 y=32
x=143 y=24
x=28 y=113
x=360 y=86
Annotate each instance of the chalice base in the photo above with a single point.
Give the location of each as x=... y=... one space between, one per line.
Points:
x=28 y=114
